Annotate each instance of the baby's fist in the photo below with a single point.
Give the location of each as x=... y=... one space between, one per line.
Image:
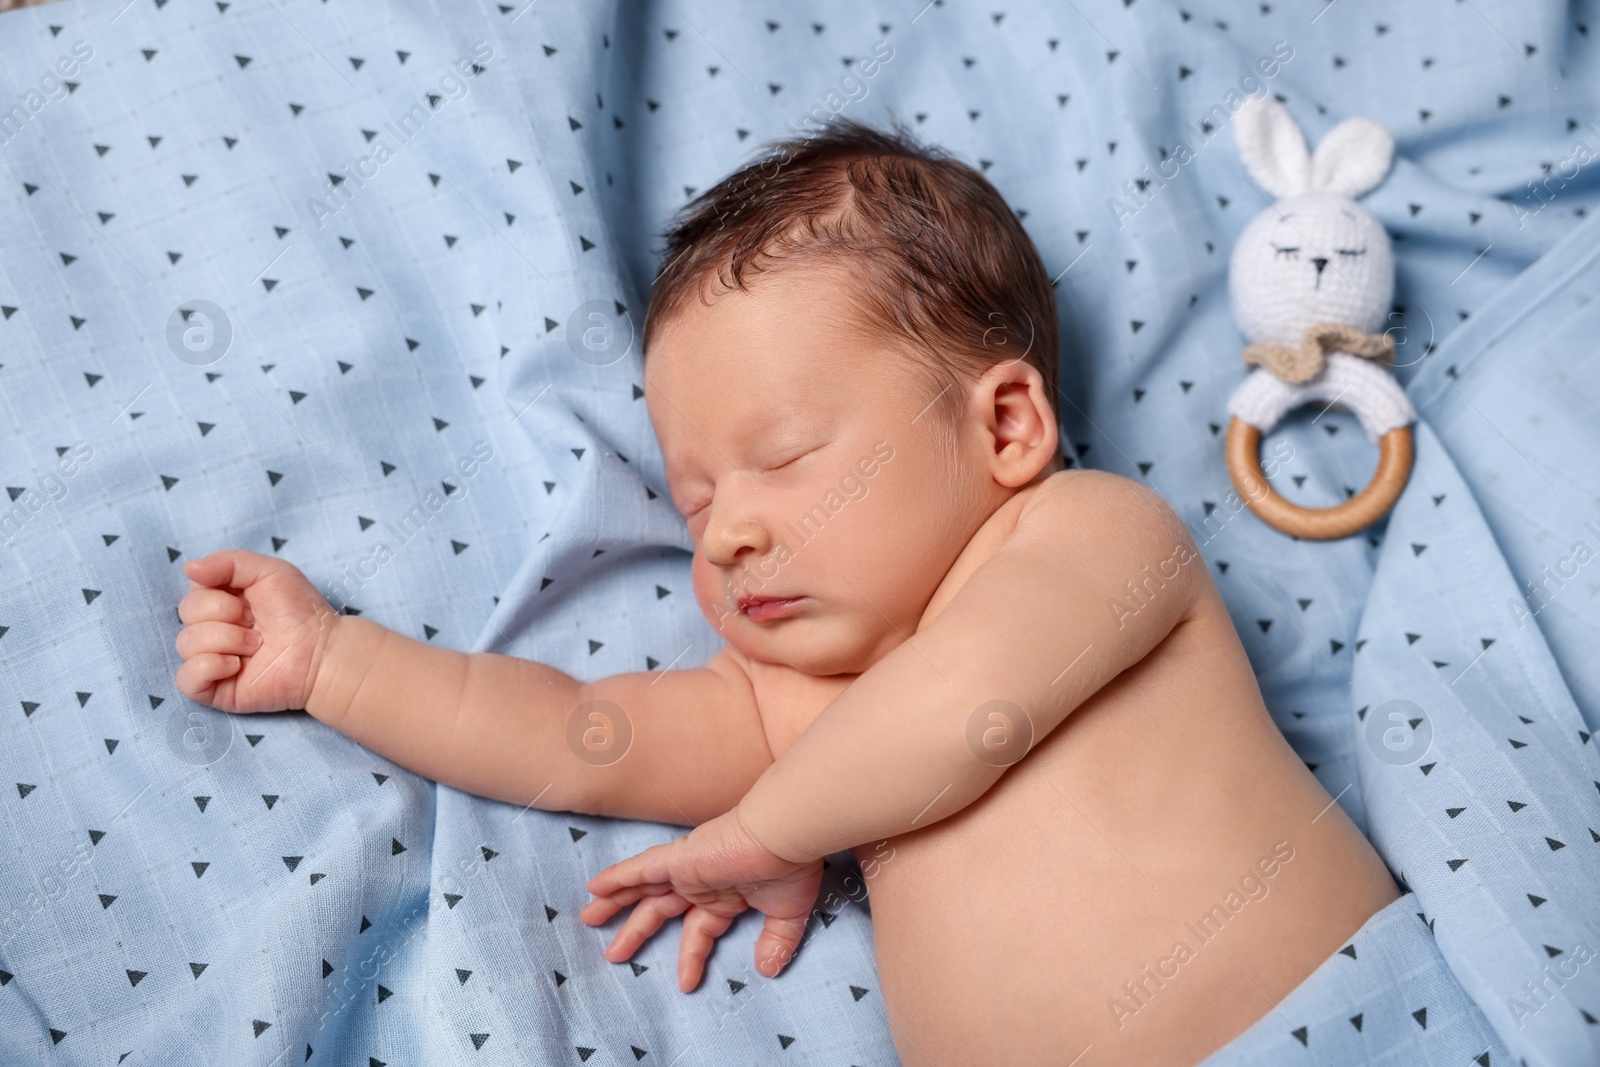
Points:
x=255 y=632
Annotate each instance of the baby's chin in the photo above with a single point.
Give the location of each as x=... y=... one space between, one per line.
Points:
x=806 y=645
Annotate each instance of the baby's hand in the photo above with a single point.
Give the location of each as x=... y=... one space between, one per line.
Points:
x=255 y=632
x=714 y=873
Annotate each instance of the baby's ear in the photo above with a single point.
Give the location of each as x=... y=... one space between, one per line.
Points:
x=1272 y=147
x=1353 y=157
x=1020 y=423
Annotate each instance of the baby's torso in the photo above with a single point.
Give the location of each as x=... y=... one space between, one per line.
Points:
x=1108 y=893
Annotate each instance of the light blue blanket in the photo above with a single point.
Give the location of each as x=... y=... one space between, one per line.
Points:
x=407 y=219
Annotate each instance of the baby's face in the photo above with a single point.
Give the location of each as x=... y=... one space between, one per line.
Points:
x=806 y=460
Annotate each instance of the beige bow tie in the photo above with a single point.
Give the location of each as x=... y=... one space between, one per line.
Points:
x=1297 y=365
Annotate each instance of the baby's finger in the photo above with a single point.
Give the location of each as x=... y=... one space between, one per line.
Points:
x=199 y=674
x=701 y=928
x=599 y=910
x=206 y=603
x=222 y=637
x=645 y=920
x=648 y=866
x=777 y=944
x=231 y=567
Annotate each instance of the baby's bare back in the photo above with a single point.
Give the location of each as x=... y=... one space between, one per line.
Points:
x=1144 y=885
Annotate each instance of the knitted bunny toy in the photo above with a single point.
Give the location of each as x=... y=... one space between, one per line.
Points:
x=1311 y=277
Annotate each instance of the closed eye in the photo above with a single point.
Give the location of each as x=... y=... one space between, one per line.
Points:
x=1351 y=252
x=787 y=462
x=1290 y=252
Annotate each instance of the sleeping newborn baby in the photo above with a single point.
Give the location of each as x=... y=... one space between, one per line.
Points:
x=1010 y=687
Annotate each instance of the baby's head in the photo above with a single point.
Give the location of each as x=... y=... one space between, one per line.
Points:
x=850 y=364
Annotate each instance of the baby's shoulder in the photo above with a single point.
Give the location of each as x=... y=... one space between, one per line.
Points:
x=1073 y=506
x=1070 y=518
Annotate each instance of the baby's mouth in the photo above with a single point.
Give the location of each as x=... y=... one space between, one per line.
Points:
x=763 y=608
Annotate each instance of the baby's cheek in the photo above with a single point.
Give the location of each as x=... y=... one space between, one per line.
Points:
x=707 y=590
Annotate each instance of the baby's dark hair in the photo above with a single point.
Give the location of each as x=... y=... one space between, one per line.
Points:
x=945 y=263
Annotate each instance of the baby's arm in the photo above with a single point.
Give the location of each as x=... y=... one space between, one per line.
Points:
x=491 y=725
x=1035 y=625
x=899 y=749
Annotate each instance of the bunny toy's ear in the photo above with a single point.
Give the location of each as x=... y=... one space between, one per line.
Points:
x=1352 y=158
x=1272 y=147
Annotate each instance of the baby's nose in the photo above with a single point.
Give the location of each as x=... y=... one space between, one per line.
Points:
x=1319 y=262
x=727 y=544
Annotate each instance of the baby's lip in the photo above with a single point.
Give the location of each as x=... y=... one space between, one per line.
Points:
x=760 y=608
x=745 y=601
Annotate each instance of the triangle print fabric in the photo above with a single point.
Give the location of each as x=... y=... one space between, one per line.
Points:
x=310 y=278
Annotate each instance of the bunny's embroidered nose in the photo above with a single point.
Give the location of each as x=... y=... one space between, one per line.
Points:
x=1320 y=262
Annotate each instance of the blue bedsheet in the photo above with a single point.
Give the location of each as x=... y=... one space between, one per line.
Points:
x=404 y=218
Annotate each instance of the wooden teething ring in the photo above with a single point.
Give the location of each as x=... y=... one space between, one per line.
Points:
x=1243 y=450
